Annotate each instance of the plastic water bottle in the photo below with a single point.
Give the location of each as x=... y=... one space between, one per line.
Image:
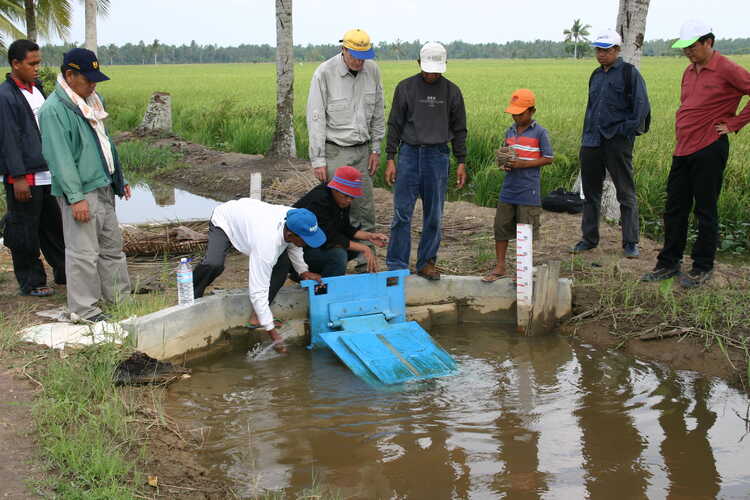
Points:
x=184 y=282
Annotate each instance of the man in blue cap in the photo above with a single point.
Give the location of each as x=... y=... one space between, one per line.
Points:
x=86 y=176
x=272 y=236
x=346 y=121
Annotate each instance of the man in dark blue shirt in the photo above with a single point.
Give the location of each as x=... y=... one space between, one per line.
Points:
x=617 y=111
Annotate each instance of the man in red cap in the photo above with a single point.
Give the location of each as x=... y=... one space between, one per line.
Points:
x=331 y=205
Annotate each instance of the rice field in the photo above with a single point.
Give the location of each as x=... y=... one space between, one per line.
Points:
x=232 y=106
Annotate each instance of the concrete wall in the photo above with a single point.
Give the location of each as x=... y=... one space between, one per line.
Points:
x=175 y=331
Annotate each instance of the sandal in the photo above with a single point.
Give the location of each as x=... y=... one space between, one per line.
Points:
x=493 y=277
x=41 y=291
x=277 y=323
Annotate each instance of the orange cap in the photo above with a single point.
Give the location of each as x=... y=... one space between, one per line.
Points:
x=520 y=101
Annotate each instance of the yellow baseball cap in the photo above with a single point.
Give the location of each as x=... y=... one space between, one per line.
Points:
x=358 y=43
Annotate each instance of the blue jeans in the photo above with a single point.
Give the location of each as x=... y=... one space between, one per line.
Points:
x=422 y=171
x=329 y=261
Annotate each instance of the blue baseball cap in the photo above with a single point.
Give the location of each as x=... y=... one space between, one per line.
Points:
x=85 y=62
x=304 y=224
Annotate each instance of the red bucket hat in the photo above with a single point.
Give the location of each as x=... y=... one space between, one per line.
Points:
x=347 y=180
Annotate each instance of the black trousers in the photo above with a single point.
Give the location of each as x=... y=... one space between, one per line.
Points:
x=30 y=227
x=212 y=265
x=615 y=156
x=694 y=183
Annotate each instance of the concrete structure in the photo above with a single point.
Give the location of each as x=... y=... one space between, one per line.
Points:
x=177 y=331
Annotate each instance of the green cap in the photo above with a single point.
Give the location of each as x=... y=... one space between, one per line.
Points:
x=690 y=32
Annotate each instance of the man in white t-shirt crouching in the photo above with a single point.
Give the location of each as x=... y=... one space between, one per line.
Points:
x=33 y=220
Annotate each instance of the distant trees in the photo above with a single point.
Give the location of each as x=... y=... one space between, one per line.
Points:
x=193 y=52
x=577 y=33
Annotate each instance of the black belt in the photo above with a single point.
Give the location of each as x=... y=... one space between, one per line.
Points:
x=366 y=143
x=425 y=145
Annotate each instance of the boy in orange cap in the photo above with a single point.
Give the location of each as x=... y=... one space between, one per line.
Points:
x=520 y=197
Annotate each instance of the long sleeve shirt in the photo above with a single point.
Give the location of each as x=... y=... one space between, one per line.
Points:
x=426 y=114
x=256 y=229
x=333 y=220
x=708 y=98
x=20 y=138
x=344 y=108
x=609 y=111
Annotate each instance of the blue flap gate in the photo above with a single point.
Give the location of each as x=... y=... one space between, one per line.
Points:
x=362 y=318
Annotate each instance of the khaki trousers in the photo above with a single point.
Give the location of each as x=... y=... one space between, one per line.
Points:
x=94 y=261
x=362 y=211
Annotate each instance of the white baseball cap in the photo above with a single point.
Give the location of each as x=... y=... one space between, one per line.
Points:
x=433 y=57
x=606 y=39
x=690 y=32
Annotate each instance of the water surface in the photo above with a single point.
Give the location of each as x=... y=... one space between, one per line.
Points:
x=525 y=418
x=155 y=204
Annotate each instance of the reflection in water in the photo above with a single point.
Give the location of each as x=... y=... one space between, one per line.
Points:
x=159 y=203
x=525 y=418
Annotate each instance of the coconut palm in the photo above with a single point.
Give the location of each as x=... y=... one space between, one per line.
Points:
x=51 y=17
x=11 y=12
x=577 y=33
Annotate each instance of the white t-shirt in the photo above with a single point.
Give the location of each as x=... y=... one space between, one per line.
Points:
x=35 y=100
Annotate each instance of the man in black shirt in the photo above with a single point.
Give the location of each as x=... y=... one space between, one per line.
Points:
x=331 y=204
x=427 y=112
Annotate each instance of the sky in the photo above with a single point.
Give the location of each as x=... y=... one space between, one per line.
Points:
x=233 y=22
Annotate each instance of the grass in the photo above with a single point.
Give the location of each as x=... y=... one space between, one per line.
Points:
x=83 y=425
x=715 y=315
x=141 y=160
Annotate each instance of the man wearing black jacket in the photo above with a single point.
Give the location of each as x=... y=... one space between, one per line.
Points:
x=427 y=113
x=331 y=205
x=33 y=221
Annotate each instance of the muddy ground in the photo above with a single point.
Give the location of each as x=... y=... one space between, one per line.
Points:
x=467 y=249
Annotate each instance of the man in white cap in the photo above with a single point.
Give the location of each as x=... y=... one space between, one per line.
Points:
x=617 y=111
x=712 y=88
x=346 y=121
x=427 y=113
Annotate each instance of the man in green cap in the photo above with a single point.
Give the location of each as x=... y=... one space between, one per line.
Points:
x=712 y=88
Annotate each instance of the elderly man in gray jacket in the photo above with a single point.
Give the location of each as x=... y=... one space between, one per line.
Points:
x=346 y=120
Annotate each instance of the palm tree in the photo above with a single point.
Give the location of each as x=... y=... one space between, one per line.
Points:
x=284 y=144
x=577 y=33
x=11 y=11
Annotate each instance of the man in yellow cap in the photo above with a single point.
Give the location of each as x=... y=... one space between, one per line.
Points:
x=346 y=120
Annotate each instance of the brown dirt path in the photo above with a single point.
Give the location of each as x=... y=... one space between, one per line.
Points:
x=17 y=446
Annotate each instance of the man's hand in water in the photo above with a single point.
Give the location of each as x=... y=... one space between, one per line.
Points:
x=278 y=340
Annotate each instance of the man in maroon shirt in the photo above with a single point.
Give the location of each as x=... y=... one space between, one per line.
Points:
x=712 y=88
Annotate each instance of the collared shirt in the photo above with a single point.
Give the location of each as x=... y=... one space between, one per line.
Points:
x=707 y=98
x=333 y=220
x=23 y=86
x=609 y=112
x=343 y=108
x=522 y=186
x=256 y=229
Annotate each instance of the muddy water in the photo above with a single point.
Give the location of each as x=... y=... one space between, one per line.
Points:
x=524 y=418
